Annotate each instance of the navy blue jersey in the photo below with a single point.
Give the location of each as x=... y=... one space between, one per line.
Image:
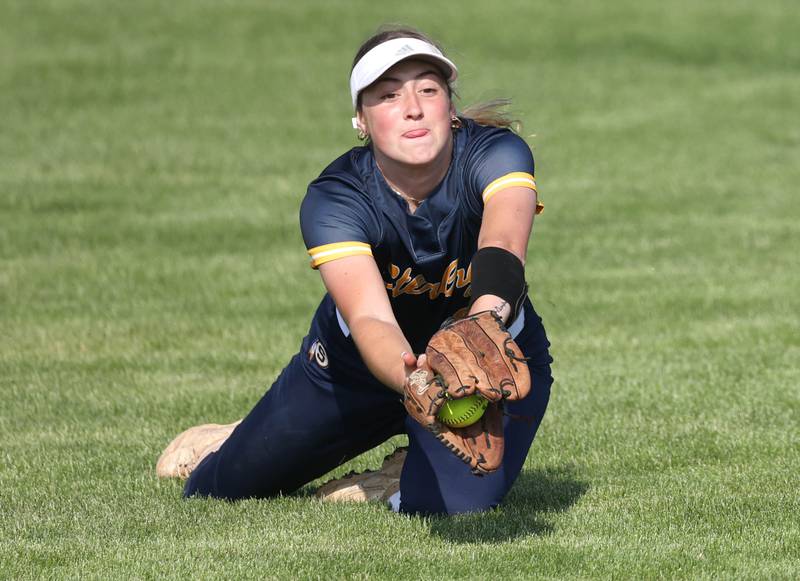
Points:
x=424 y=257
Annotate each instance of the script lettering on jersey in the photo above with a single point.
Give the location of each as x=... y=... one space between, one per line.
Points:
x=406 y=283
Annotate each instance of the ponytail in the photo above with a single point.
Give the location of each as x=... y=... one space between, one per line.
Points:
x=493 y=114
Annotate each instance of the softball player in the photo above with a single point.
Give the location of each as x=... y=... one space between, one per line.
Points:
x=430 y=217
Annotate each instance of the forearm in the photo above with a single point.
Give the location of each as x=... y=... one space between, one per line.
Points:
x=381 y=343
x=498 y=283
x=491 y=303
x=498 y=268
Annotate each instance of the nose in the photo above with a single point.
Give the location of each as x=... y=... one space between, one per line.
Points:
x=413 y=110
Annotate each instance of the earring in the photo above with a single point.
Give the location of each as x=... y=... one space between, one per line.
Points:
x=362 y=135
x=455 y=122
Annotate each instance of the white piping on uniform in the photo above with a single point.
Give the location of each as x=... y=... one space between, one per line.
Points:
x=342 y=325
x=517 y=325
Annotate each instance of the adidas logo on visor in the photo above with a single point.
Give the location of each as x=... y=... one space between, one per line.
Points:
x=404 y=50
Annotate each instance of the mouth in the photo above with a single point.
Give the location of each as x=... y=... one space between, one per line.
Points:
x=415 y=133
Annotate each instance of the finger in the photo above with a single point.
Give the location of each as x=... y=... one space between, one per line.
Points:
x=422 y=360
x=409 y=360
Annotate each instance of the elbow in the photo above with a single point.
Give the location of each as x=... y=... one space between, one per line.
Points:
x=365 y=325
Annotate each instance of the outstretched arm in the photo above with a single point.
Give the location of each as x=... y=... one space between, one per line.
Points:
x=357 y=288
x=507 y=222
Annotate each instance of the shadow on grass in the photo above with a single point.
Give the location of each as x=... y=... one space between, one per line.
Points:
x=536 y=495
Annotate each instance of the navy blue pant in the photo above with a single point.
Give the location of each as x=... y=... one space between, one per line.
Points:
x=304 y=427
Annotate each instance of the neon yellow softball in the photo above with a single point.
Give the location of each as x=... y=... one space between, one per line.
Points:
x=463 y=412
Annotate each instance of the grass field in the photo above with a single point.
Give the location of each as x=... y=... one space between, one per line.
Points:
x=153 y=157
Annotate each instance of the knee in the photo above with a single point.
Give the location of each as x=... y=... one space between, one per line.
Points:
x=203 y=482
x=447 y=510
x=200 y=481
x=436 y=505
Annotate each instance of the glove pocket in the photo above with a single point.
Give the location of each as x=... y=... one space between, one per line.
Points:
x=480 y=445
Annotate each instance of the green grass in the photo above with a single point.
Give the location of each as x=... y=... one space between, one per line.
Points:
x=152 y=276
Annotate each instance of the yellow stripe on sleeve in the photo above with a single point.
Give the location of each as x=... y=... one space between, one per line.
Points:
x=510 y=180
x=513 y=179
x=327 y=252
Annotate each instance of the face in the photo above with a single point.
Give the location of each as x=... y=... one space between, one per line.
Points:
x=407 y=112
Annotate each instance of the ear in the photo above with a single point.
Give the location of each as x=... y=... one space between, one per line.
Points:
x=452 y=110
x=361 y=123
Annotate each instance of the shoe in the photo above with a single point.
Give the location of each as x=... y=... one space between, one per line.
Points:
x=370 y=485
x=189 y=448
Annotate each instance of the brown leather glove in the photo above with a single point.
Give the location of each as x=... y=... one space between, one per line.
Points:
x=473 y=355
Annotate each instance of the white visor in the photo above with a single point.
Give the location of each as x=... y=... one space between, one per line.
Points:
x=382 y=57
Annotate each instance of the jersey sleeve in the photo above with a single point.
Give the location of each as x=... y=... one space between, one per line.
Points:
x=500 y=160
x=337 y=221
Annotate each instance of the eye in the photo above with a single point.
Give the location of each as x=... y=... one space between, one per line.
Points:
x=388 y=96
x=429 y=90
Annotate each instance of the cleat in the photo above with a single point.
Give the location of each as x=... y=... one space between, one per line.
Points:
x=190 y=447
x=370 y=485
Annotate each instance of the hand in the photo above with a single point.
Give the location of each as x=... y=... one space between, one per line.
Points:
x=477 y=354
x=480 y=445
x=410 y=364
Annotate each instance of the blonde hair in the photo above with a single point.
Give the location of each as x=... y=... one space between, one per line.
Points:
x=492 y=113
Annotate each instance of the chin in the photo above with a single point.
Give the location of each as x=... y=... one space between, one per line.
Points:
x=422 y=156
x=419 y=159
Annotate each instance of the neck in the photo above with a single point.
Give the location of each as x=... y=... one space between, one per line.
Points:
x=415 y=182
